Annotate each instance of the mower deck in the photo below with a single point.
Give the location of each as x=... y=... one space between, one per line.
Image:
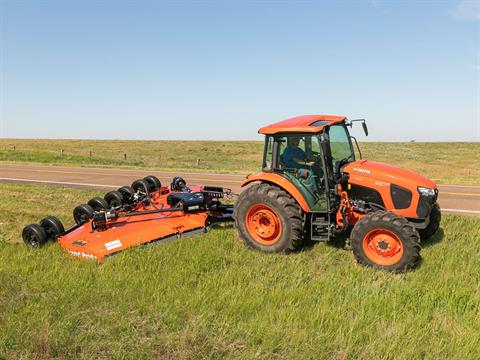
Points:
x=126 y=232
x=159 y=215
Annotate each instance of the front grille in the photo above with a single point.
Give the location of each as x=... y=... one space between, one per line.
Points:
x=402 y=198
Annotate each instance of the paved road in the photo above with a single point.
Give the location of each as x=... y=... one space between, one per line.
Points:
x=459 y=199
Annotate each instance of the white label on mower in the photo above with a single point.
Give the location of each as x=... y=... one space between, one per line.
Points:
x=113 y=244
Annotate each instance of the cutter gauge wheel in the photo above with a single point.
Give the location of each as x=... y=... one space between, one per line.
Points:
x=98 y=204
x=153 y=183
x=52 y=226
x=83 y=213
x=140 y=185
x=34 y=235
x=114 y=199
x=127 y=193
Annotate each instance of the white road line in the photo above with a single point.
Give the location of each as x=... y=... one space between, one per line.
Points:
x=109 y=170
x=461 y=211
x=60 y=182
x=459 y=186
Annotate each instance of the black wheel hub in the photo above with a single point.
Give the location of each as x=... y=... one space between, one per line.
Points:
x=383 y=245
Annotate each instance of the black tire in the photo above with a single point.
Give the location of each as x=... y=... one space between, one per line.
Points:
x=98 y=204
x=434 y=225
x=52 y=226
x=127 y=194
x=114 y=199
x=82 y=213
x=153 y=182
x=34 y=235
x=391 y=230
x=178 y=184
x=289 y=234
x=140 y=185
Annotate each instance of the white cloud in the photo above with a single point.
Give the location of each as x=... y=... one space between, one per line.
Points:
x=468 y=10
x=374 y=3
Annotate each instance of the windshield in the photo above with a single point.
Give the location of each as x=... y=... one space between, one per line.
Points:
x=340 y=146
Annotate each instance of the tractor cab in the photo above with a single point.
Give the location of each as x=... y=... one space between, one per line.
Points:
x=311 y=161
x=297 y=157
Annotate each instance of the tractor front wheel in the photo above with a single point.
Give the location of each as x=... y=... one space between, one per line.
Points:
x=387 y=241
x=434 y=225
x=269 y=219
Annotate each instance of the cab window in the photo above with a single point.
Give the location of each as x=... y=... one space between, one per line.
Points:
x=340 y=145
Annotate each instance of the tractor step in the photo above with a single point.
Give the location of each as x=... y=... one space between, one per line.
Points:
x=320 y=227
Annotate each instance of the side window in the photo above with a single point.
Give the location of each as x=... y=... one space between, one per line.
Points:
x=315 y=146
x=268 y=156
x=282 y=145
x=302 y=144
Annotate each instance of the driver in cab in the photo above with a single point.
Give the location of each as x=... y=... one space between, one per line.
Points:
x=293 y=157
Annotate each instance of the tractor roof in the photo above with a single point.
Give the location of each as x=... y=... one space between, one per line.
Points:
x=302 y=124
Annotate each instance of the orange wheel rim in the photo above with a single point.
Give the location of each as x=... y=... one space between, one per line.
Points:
x=383 y=247
x=263 y=224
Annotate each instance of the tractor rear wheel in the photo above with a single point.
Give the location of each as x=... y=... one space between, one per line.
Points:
x=269 y=219
x=434 y=225
x=386 y=241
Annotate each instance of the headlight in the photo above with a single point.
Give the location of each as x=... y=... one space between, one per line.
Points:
x=426 y=192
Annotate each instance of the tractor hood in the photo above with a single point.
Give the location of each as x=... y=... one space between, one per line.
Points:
x=387 y=173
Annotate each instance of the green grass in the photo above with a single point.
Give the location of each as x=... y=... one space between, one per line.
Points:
x=215 y=156
x=447 y=163
x=209 y=297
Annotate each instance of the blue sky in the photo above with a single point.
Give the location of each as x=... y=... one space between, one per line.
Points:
x=221 y=70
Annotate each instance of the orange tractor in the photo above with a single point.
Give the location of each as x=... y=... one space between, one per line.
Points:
x=311 y=187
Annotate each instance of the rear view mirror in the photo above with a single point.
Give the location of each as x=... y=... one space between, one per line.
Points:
x=364 y=125
x=365 y=129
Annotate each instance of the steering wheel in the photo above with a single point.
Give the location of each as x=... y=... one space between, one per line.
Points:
x=316 y=167
x=340 y=163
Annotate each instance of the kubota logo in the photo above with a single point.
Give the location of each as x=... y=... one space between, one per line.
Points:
x=364 y=171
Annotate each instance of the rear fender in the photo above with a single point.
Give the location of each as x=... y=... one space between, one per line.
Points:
x=281 y=182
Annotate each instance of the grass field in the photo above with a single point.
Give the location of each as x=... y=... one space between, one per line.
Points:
x=447 y=163
x=209 y=297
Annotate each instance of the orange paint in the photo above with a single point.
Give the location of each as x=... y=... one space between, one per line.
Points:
x=281 y=182
x=383 y=247
x=301 y=124
x=263 y=224
x=381 y=176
